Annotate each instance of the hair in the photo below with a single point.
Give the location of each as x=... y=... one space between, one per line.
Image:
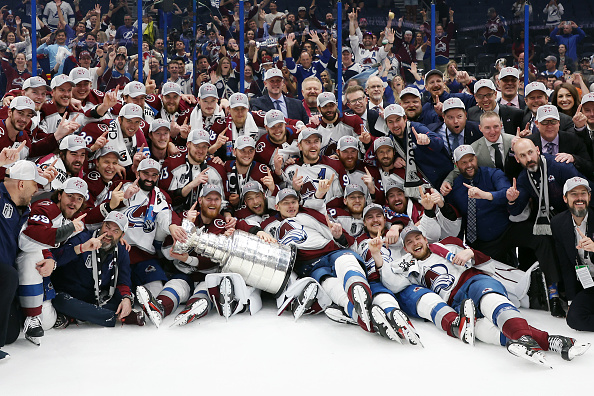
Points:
x=311 y=78
x=574 y=93
x=90 y=34
x=489 y=114
x=55 y=199
x=60 y=31
x=220 y=66
x=354 y=88
x=102 y=37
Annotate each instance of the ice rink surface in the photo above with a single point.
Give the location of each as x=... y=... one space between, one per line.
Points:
x=269 y=355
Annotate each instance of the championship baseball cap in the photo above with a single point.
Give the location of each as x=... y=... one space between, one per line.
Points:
x=131 y=110
x=251 y=186
x=284 y=193
x=22 y=103
x=159 y=123
x=134 y=89
x=453 y=103
x=462 y=150
x=274 y=72
x=393 y=109
x=208 y=91
x=574 y=182
x=301 y=9
x=326 y=97
x=534 y=86
x=393 y=184
x=546 y=112
x=509 y=71
x=107 y=149
x=79 y=74
x=25 y=170
x=382 y=141
x=408 y=230
x=73 y=143
x=239 y=99
x=84 y=54
x=208 y=188
x=266 y=59
x=483 y=83
x=34 y=82
x=346 y=142
x=551 y=58
x=60 y=80
x=76 y=185
x=198 y=136
x=171 y=87
x=589 y=97
x=353 y=188
x=244 y=141
x=410 y=91
x=433 y=72
x=119 y=218
x=273 y=117
x=149 y=163
x=307 y=132
x=371 y=207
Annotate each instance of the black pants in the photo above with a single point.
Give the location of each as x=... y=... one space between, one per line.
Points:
x=9 y=312
x=81 y=310
x=520 y=235
x=580 y=315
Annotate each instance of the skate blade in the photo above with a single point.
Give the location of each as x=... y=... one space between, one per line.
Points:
x=361 y=298
x=406 y=331
x=193 y=314
x=33 y=340
x=143 y=298
x=336 y=315
x=309 y=296
x=521 y=351
x=384 y=326
x=468 y=335
x=578 y=350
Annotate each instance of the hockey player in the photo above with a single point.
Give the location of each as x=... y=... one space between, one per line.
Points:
x=51 y=223
x=94 y=105
x=52 y=111
x=69 y=162
x=348 y=152
x=279 y=142
x=450 y=270
x=169 y=104
x=208 y=110
x=92 y=277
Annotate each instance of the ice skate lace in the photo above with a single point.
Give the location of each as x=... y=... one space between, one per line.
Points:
x=556 y=343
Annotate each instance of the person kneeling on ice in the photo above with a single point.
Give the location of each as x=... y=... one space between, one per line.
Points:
x=92 y=277
x=450 y=270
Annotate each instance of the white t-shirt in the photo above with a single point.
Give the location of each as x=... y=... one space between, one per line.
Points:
x=278 y=26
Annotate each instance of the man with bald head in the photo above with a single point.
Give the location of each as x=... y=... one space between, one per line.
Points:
x=375 y=89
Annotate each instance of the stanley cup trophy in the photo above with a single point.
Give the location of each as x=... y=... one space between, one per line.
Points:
x=265 y=266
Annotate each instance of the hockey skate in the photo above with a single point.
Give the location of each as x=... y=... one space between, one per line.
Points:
x=337 y=314
x=190 y=313
x=4 y=356
x=305 y=300
x=63 y=321
x=150 y=305
x=567 y=347
x=360 y=296
x=227 y=299
x=33 y=330
x=527 y=348
x=382 y=325
x=463 y=326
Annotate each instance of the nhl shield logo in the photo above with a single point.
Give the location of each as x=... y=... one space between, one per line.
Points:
x=7 y=211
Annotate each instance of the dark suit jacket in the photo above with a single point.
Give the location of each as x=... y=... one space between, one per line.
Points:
x=510 y=116
x=521 y=102
x=570 y=143
x=565 y=243
x=372 y=117
x=472 y=133
x=295 y=109
x=565 y=122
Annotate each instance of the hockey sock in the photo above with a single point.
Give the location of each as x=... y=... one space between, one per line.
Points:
x=385 y=301
x=432 y=307
x=154 y=287
x=487 y=332
x=174 y=292
x=553 y=292
x=499 y=310
x=333 y=287
x=348 y=271
x=541 y=337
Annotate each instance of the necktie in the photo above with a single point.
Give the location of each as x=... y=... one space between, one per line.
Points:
x=471 y=219
x=277 y=105
x=498 y=156
x=549 y=148
x=456 y=141
x=511 y=104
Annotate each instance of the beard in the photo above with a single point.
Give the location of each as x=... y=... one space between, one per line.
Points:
x=146 y=185
x=579 y=212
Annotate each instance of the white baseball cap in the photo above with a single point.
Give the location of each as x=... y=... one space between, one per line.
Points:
x=409 y=230
x=160 y=123
x=393 y=109
x=149 y=163
x=371 y=207
x=326 y=97
x=462 y=150
x=73 y=143
x=273 y=72
x=353 y=188
x=509 y=71
x=534 y=86
x=484 y=83
x=171 y=87
x=346 y=142
x=589 y=97
x=453 y=103
x=60 y=80
x=119 y=218
x=208 y=188
x=274 y=117
x=25 y=170
x=410 y=91
x=197 y=136
x=107 y=149
x=391 y=183
x=546 y=112
x=34 y=82
x=239 y=100
x=574 y=182
x=134 y=89
x=76 y=185
x=131 y=110
x=244 y=141
x=208 y=91
x=79 y=74
x=22 y=103
x=251 y=186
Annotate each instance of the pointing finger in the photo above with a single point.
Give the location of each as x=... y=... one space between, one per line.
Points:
x=421 y=190
x=579 y=109
x=75 y=116
x=136 y=181
x=467 y=185
x=54 y=163
x=194 y=206
x=118 y=187
x=367 y=171
x=580 y=232
x=514 y=184
x=22 y=146
x=101 y=236
x=332 y=178
x=81 y=217
x=104 y=134
x=414 y=132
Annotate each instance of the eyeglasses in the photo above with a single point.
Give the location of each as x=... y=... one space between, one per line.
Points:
x=488 y=96
x=549 y=122
x=358 y=100
x=375 y=86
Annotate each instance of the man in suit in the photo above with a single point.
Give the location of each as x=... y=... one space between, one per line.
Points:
x=564 y=146
x=274 y=99
x=573 y=231
x=584 y=122
x=486 y=99
x=535 y=95
x=357 y=104
x=509 y=78
x=456 y=129
x=376 y=89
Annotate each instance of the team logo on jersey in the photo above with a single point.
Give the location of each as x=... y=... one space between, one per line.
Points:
x=150 y=268
x=263 y=168
x=94 y=175
x=260 y=147
x=291 y=232
x=437 y=278
x=403 y=266
x=308 y=188
x=220 y=223
x=7 y=211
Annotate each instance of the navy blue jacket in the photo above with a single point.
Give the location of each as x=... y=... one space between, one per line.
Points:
x=75 y=276
x=492 y=218
x=472 y=133
x=429 y=112
x=12 y=219
x=295 y=109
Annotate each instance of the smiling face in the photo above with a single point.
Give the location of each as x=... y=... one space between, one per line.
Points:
x=374 y=222
x=208 y=106
x=509 y=86
x=491 y=128
x=375 y=89
x=160 y=138
x=147 y=179
x=396 y=125
x=527 y=154
x=210 y=205
x=274 y=86
x=255 y=202
x=536 y=99
x=197 y=152
x=130 y=126
x=355 y=202
x=310 y=148
x=277 y=133
x=385 y=156
x=329 y=111
x=486 y=98
x=468 y=166
x=435 y=85
x=412 y=105
x=565 y=100
x=288 y=207
x=37 y=95
x=74 y=160
x=19 y=119
x=106 y=166
x=348 y=157
x=244 y=156
x=69 y=204
x=577 y=201
x=171 y=102
x=397 y=201
x=311 y=90
x=81 y=90
x=357 y=101
x=416 y=244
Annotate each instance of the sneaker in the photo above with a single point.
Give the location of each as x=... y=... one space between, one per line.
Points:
x=150 y=305
x=556 y=307
x=382 y=325
x=527 y=348
x=463 y=325
x=360 y=296
x=135 y=317
x=305 y=300
x=4 y=356
x=33 y=330
x=190 y=313
x=337 y=314
x=227 y=299
x=567 y=347
x=63 y=321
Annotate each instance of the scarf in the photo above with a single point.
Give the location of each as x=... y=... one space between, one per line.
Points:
x=249 y=128
x=116 y=138
x=104 y=296
x=412 y=180
x=542 y=225
x=199 y=122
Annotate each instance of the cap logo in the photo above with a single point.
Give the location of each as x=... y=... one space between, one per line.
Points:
x=79 y=184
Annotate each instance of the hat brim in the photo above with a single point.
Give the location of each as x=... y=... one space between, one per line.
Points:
x=41 y=180
x=273 y=123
